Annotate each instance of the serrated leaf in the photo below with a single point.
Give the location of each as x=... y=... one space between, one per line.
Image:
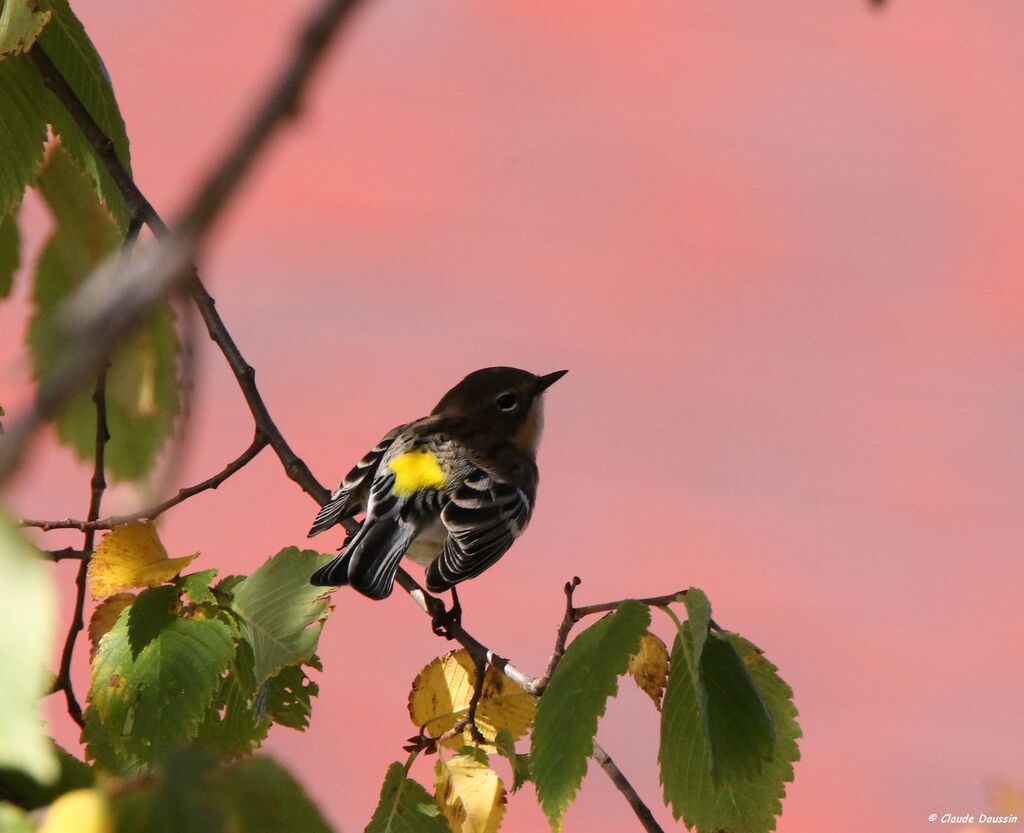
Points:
x=739 y=727
x=289 y=697
x=104 y=616
x=73 y=54
x=22 y=129
x=733 y=718
x=10 y=252
x=142 y=387
x=746 y=806
x=232 y=727
x=282 y=613
x=470 y=794
x=197 y=586
x=153 y=610
x=79 y=811
x=442 y=691
x=563 y=735
x=132 y=556
x=192 y=794
x=143 y=705
x=649 y=667
x=27 y=622
x=405 y=807
x=21 y=22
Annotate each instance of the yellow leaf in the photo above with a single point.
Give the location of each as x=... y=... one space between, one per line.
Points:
x=649 y=667
x=104 y=616
x=441 y=693
x=79 y=811
x=470 y=794
x=132 y=556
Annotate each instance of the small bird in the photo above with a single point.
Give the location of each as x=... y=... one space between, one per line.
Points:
x=452 y=490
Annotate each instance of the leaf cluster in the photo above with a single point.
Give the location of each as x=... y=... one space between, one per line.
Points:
x=728 y=728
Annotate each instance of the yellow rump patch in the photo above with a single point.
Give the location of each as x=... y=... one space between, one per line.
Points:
x=415 y=471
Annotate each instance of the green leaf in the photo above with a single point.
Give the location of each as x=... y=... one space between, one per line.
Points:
x=196 y=586
x=281 y=612
x=733 y=718
x=521 y=773
x=21 y=22
x=739 y=806
x=405 y=807
x=22 y=129
x=232 y=727
x=143 y=705
x=27 y=623
x=68 y=46
x=194 y=795
x=289 y=696
x=142 y=388
x=739 y=728
x=563 y=735
x=148 y=615
x=10 y=252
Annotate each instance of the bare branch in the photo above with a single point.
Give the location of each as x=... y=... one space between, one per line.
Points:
x=654 y=601
x=561 y=635
x=258 y=443
x=643 y=812
x=66 y=554
x=98 y=486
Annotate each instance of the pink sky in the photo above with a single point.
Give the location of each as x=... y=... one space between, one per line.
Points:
x=779 y=247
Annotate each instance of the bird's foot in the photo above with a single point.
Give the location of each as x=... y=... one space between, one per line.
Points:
x=445 y=621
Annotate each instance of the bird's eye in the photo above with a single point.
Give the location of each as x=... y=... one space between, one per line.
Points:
x=507 y=402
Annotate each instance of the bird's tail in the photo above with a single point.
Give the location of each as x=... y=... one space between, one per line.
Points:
x=376 y=553
x=370 y=558
x=332 y=574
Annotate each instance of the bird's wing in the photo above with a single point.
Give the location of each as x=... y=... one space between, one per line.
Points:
x=351 y=496
x=483 y=517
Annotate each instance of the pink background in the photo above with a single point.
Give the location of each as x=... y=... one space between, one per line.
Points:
x=779 y=247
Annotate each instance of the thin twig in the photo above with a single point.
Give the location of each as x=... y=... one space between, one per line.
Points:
x=96 y=317
x=654 y=601
x=98 y=486
x=66 y=554
x=642 y=811
x=561 y=635
x=258 y=443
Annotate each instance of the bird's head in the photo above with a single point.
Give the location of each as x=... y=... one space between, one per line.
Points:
x=507 y=400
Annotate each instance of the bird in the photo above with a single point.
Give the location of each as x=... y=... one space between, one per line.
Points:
x=452 y=491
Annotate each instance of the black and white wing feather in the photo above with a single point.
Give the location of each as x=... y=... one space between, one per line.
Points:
x=484 y=516
x=351 y=496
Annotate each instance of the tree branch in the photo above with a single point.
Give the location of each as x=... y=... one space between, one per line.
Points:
x=98 y=486
x=258 y=443
x=642 y=811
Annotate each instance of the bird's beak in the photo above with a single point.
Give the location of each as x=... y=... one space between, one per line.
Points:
x=545 y=382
